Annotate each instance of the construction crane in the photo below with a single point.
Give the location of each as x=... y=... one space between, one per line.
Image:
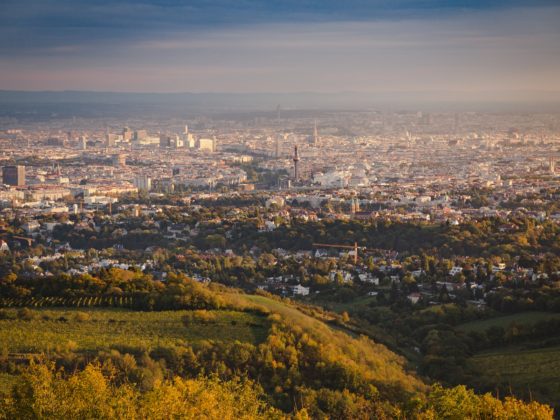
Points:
x=354 y=247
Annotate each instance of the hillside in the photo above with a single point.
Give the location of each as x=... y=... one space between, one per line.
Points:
x=296 y=360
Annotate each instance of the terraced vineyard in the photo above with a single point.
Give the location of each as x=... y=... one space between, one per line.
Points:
x=530 y=373
x=70 y=302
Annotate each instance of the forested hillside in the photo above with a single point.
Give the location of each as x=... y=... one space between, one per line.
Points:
x=217 y=351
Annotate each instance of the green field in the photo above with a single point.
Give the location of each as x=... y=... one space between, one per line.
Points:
x=356 y=304
x=123 y=328
x=529 y=373
x=523 y=318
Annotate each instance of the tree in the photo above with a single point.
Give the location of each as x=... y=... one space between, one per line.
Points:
x=43 y=392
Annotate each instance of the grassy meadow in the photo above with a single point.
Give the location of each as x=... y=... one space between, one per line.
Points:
x=95 y=329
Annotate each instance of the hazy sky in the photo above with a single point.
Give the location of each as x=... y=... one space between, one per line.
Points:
x=466 y=47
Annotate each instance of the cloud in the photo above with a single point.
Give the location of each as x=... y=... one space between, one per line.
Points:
x=252 y=46
x=27 y=26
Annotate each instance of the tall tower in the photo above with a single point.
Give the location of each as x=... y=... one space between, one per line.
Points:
x=315 y=134
x=296 y=160
x=551 y=165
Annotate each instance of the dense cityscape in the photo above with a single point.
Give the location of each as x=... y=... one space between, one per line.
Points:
x=279 y=210
x=355 y=212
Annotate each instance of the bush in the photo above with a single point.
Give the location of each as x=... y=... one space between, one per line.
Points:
x=25 y=314
x=199 y=317
x=82 y=316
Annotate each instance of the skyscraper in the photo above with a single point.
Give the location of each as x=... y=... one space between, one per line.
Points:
x=143 y=183
x=127 y=134
x=296 y=160
x=110 y=139
x=119 y=159
x=14 y=175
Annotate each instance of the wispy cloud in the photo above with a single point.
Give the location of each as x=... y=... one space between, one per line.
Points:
x=248 y=45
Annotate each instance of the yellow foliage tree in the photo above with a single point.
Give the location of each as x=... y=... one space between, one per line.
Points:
x=44 y=393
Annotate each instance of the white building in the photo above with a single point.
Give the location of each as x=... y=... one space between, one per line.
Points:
x=455 y=270
x=300 y=290
x=368 y=278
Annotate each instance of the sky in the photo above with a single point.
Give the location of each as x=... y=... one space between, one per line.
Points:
x=451 y=48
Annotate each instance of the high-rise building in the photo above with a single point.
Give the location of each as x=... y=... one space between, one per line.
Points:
x=119 y=159
x=127 y=134
x=143 y=183
x=110 y=140
x=187 y=139
x=551 y=165
x=191 y=141
x=140 y=135
x=296 y=160
x=14 y=175
x=178 y=142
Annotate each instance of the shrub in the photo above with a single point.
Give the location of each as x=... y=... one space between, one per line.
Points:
x=201 y=316
x=82 y=316
x=25 y=314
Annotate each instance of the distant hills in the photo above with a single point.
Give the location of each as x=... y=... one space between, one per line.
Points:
x=89 y=103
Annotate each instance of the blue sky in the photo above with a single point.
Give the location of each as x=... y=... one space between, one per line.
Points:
x=465 y=47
